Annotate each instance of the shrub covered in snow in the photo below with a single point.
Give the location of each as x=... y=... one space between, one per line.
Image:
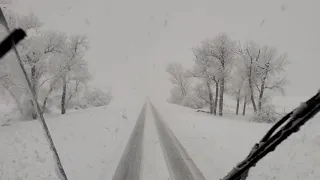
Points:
x=91 y=98
x=193 y=102
x=266 y=115
x=97 y=97
x=175 y=96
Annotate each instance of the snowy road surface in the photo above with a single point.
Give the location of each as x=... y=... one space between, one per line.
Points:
x=179 y=164
x=130 y=163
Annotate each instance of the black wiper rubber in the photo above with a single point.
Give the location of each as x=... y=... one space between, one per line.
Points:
x=269 y=142
x=11 y=40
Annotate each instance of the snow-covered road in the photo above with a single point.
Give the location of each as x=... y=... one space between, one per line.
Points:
x=130 y=162
x=180 y=166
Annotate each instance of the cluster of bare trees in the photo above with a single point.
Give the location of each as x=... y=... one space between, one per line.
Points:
x=55 y=65
x=250 y=72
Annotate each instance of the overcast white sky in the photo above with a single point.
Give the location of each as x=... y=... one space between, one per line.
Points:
x=132 y=41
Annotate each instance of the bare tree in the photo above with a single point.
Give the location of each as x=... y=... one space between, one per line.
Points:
x=219 y=54
x=237 y=88
x=175 y=96
x=250 y=54
x=179 y=78
x=36 y=55
x=71 y=62
x=206 y=77
x=35 y=51
x=53 y=85
x=270 y=65
x=77 y=83
x=207 y=69
x=28 y=23
x=201 y=91
x=244 y=105
x=261 y=64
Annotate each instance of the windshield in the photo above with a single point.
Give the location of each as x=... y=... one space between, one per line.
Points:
x=166 y=89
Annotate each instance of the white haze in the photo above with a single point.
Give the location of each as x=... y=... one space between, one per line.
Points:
x=132 y=41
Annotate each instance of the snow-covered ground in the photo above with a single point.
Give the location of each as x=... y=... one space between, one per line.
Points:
x=216 y=144
x=90 y=143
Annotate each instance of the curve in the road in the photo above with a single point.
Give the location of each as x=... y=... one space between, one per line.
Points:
x=130 y=163
x=180 y=164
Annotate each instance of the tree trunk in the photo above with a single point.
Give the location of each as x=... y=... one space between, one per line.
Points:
x=33 y=78
x=251 y=88
x=46 y=100
x=244 y=106
x=63 y=97
x=260 y=97
x=221 y=97
x=238 y=102
x=262 y=88
x=253 y=103
x=210 y=97
x=183 y=92
x=34 y=111
x=33 y=81
x=44 y=103
x=216 y=99
x=221 y=89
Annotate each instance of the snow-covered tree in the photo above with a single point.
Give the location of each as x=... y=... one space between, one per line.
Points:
x=53 y=62
x=71 y=63
x=250 y=54
x=67 y=70
x=202 y=92
x=36 y=56
x=77 y=84
x=207 y=77
x=192 y=101
x=180 y=80
x=270 y=66
x=175 y=95
x=218 y=55
x=17 y=86
x=261 y=64
x=237 y=89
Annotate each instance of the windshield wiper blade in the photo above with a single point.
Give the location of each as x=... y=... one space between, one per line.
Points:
x=295 y=119
x=13 y=38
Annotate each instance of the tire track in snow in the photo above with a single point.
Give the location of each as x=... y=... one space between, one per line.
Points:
x=130 y=162
x=180 y=164
x=154 y=166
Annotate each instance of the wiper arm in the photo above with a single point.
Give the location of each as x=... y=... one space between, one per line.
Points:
x=295 y=119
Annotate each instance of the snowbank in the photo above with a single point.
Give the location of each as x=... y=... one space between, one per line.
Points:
x=90 y=143
x=216 y=144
